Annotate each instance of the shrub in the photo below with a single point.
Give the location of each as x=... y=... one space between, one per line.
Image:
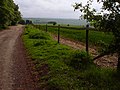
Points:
x=39 y=35
x=29 y=22
x=40 y=42
x=52 y=22
x=80 y=60
x=21 y=22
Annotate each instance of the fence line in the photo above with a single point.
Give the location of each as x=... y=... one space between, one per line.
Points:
x=58 y=33
x=85 y=28
x=79 y=28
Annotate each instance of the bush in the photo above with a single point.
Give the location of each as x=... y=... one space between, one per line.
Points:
x=52 y=22
x=3 y=27
x=40 y=42
x=21 y=22
x=39 y=35
x=29 y=22
x=80 y=60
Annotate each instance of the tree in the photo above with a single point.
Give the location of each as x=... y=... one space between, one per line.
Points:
x=17 y=15
x=9 y=13
x=107 y=20
x=52 y=22
x=29 y=22
x=22 y=22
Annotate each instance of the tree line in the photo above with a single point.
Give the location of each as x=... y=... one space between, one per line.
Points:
x=9 y=13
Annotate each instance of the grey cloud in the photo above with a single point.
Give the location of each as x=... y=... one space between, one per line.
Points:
x=48 y=8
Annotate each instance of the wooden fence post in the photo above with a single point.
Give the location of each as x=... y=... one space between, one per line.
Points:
x=87 y=39
x=58 y=33
x=39 y=27
x=46 y=27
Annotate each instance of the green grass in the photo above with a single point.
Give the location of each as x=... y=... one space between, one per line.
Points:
x=3 y=27
x=56 y=65
x=95 y=37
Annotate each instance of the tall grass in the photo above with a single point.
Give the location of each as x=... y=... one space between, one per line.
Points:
x=95 y=37
x=61 y=68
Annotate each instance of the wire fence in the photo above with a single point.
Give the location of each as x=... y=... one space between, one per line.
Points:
x=87 y=28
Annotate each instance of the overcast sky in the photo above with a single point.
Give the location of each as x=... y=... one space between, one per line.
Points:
x=49 y=8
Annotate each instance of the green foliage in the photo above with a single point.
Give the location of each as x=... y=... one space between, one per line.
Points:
x=9 y=14
x=29 y=22
x=52 y=62
x=80 y=60
x=95 y=37
x=104 y=21
x=38 y=35
x=21 y=22
x=52 y=22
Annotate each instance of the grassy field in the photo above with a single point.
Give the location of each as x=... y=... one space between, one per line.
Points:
x=95 y=37
x=61 y=68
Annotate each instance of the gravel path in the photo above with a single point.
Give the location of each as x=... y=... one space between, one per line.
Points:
x=14 y=71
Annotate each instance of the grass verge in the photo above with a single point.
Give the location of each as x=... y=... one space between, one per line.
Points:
x=59 y=67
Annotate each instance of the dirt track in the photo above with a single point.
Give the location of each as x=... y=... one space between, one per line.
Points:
x=14 y=72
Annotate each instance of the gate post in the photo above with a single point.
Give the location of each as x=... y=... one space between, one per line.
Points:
x=39 y=27
x=46 y=27
x=58 y=33
x=87 y=38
